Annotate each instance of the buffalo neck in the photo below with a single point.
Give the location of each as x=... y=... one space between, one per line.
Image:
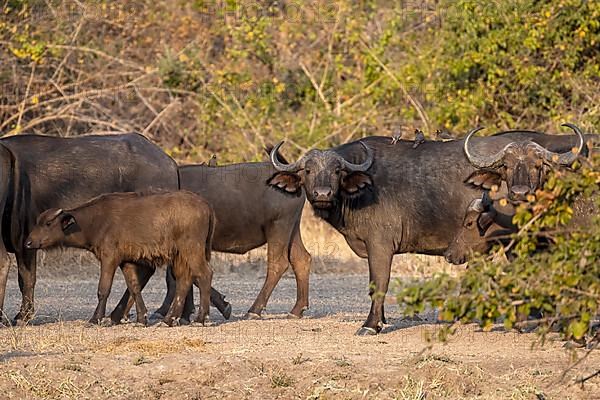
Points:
x=89 y=226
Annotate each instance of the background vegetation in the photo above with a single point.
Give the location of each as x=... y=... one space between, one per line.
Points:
x=202 y=77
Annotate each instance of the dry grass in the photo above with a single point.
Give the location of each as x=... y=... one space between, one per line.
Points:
x=39 y=386
x=133 y=362
x=148 y=347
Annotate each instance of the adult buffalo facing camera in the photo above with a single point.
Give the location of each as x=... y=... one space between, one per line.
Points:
x=521 y=164
x=387 y=198
x=137 y=231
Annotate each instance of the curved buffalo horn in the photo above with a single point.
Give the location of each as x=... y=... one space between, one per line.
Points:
x=569 y=157
x=279 y=166
x=477 y=205
x=56 y=213
x=360 y=167
x=482 y=161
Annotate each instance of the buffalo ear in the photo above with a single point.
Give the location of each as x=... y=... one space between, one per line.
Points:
x=286 y=181
x=355 y=181
x=67 y=221
x=485 y=221
x=484 y=178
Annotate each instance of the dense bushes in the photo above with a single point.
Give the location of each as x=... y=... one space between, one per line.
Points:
x=515 y=63
x=229 y=76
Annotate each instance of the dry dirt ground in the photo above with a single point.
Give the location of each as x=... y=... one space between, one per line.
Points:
x=318 y=357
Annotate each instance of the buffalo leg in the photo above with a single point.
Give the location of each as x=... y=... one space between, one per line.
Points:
x=380 y=264
x=126 y=302
x=4 y=268
x=183 y=283
x=216 y=299
x=134 y=276
x=203 y=280
x=188 y=307
x=300 y=260
x=170 y=281
x=107 y=274
x=26 y=263
x=277 y=263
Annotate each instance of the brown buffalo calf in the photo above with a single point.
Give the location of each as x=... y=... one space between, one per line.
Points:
x=134 y=231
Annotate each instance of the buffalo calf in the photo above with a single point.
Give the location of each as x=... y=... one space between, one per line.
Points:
x=138 y=231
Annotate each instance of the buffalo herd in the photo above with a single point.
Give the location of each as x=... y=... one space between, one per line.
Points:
x=126 y=201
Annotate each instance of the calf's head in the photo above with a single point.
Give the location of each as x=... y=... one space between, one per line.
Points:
x=523 y=165
x=52 y=228
x=472 y=236
x=324 y=174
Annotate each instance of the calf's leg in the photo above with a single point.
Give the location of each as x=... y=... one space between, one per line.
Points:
x=131 y=272
x=216 y=299
x=144 y=273
x=183 y=283
x=203 y=279
x=107 y=273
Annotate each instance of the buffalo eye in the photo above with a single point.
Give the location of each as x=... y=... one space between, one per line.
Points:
x=307 y=171
x=338 y=170
x=48 y=223
x=469 y=224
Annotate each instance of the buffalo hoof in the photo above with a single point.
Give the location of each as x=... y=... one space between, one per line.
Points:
x=293 y=316
x=106 y=322
x=172 y=321
x=366 y=331
x=157 y=315
x=19 y=322
x=21 y=319
x=227 y=311
x=251 y=315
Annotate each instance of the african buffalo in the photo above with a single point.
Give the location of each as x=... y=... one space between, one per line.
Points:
x=146 y=230
x=249 y=214
x=521 y=167
x=387 y=198
x=521 y=164
x=485 y=222
x=41 y=172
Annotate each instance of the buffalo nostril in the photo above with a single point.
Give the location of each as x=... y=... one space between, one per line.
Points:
x=322 y=193
x=519 y=192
